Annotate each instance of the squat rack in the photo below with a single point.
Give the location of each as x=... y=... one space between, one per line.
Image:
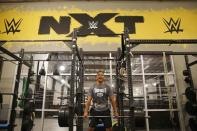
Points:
x=10 y=125
x=76 y=55
x=127 y=45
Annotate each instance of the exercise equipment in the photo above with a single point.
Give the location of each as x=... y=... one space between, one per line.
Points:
x=24 y=101
x=28 y=105
x=117 y=127
x=129 y=80
x=190 y=94
x=191 y=104
x=80 y=95
x=132 y=106
x=120 y=64
x=187 y=80
x=169 y=92
x=42 y=70
x=27 y=125
x=1 y=101
x=64 y=117
x=191 y=108
x=25 y=93
x=193 y=124
x=185 y=72
x=11 y=123
x=76 y=80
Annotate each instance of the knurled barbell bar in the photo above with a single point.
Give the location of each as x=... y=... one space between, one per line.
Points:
x=108 y=116
x=101 y=116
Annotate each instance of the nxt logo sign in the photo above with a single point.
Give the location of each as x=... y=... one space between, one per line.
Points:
x=89 y=25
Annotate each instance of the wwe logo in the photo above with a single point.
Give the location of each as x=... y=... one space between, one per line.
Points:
x=93 y=25
x=12 y=26
x=172 y=25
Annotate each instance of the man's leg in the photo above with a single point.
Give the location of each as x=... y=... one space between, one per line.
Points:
x=109 y=129
x=107 y=120
x=92 y=124
x=90 y=129
x=93 y=120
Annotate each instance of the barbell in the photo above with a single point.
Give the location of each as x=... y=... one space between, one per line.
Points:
x=63 y=117
x=102 y=116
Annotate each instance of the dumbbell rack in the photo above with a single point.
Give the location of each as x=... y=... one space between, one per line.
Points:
x=190 y=93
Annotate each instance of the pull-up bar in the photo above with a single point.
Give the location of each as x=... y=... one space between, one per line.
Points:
x=1 y=41
x=13 y=56
x=162 y=41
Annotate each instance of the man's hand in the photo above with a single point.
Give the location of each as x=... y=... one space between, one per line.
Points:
x=113 y=102
x=85 y=115
x=87 y=105
x=116 y=115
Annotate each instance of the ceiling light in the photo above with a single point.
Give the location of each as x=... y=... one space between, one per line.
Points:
x=154 y=84
x=63 y=81
x=87 y=78
x=146 y=85
x=62 y=68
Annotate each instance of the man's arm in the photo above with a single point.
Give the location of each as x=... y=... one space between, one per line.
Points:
x=113 y=102
x=87 y=106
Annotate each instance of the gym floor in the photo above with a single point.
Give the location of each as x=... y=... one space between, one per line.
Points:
x=52 y=125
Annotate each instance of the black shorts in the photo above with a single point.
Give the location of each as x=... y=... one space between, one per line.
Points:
x=98 y=120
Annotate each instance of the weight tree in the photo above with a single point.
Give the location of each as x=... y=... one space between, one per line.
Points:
x=190 y=93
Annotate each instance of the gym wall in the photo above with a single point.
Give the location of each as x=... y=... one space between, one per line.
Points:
x=7 y=78
x=56 y=20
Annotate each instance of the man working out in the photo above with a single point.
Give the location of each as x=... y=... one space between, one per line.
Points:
x=100 y=93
